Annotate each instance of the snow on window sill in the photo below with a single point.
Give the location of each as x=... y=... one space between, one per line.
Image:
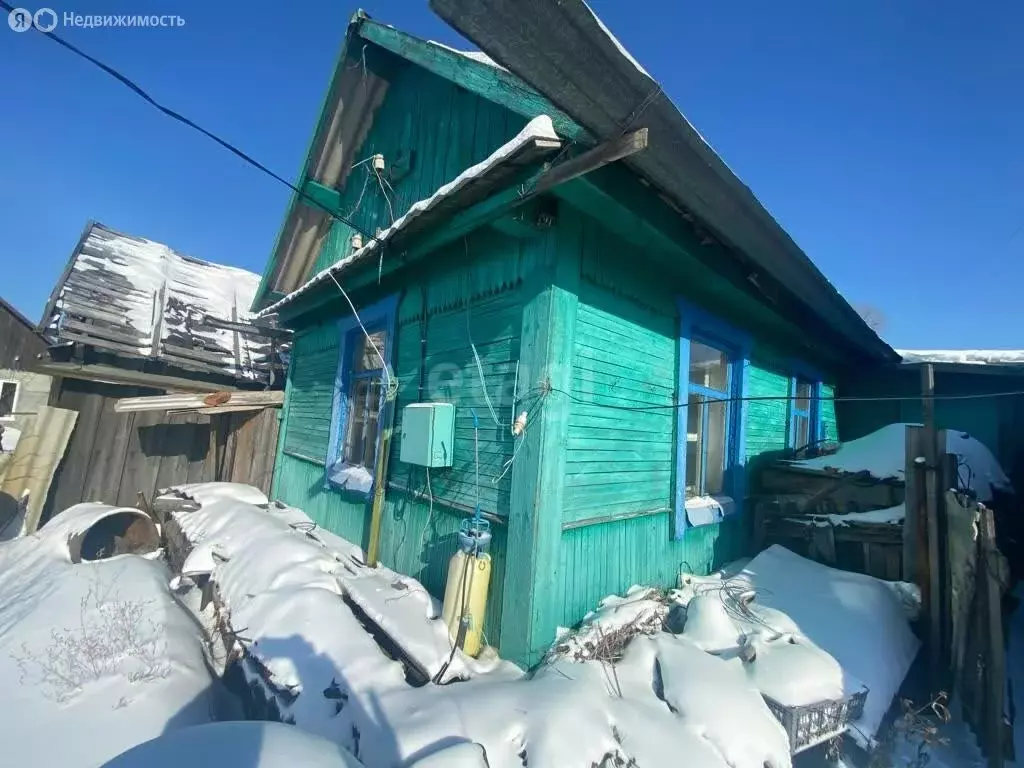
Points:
x=704 y=510
x=348 y=477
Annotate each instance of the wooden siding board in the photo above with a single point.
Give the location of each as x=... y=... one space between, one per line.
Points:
x=608 y=558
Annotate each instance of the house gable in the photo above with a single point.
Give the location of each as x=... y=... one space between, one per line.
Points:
x=429 y=110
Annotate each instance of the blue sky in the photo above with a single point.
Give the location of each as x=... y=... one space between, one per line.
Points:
x=885 y=136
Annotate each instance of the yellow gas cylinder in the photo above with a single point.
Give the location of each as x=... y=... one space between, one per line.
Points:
x=465 y=593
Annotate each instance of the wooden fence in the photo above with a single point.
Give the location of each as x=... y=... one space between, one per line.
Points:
x=113 y=456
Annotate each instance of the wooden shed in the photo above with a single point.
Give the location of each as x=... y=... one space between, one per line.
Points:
x=133 y=318
x=467 y=233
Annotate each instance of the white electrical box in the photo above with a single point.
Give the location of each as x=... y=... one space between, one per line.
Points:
x=428 y=434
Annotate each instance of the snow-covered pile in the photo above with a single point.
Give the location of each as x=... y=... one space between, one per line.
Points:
x=816 y=632
x=883 y=455
x=665 y=699
x=282 y=580
x=616 y=621
x=248 y=744
x=95 y=657
x=889 y=516
x=249 y=549
x=281 y=591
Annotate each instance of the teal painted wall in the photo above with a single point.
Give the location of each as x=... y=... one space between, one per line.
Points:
x=446 y=303
x=444 y=127
x=620 y=463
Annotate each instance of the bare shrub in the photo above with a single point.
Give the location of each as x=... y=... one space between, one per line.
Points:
x=112 y=637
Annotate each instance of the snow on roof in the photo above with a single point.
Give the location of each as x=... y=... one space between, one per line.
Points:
x=882 y=454
x=538 y=128
x=478 y=56
x=152 y=300
x=95 y=657
x=965 y=356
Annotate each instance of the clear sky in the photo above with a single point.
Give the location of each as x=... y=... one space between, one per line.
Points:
x=887 y=136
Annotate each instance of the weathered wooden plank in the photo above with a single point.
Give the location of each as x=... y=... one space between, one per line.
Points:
x=592 y=159
x=142 y=457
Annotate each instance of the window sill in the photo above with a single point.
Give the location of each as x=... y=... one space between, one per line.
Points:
x=354 y=479
x=705 y=510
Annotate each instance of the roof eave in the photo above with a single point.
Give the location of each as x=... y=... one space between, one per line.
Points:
x=566 y=54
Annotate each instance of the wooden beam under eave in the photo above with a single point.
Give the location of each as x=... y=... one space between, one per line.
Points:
x=315 y=192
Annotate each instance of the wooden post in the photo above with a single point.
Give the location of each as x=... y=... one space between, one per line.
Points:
x=531 y=600
x=915 y=549
x=931 y=490
x=992 y=648
x=379 y=483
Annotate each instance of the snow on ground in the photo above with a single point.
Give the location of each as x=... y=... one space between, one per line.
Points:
x=243 y=744
x=883 y=454
x=282 y=579
x=790 y=610
x=665 y=698
x=95 y=657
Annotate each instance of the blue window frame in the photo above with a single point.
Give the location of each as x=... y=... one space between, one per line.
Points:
x=805 y=427
x=358 y=410
x=710 y=460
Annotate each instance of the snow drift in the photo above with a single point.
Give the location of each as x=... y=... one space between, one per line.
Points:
x=883 y=455
x=94 y=656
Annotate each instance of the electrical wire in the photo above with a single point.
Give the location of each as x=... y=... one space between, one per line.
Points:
x=777 y=398
x=138 y=91
x=391 y=384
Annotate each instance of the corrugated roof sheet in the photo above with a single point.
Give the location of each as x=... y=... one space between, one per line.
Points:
x=138 y=297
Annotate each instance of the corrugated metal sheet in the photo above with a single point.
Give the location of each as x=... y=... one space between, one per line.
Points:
x=141 y=298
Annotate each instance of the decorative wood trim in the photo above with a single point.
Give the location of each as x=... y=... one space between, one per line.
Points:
x=450 y=507
x=614 y=518
x=294 y=455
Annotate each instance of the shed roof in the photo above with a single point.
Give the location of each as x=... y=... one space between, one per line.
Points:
x=963 y=356
x=564 y=51
x=139 y=298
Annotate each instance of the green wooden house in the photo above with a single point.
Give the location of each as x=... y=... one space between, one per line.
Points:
x=556 y=277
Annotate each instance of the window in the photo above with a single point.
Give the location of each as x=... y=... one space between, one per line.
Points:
x=709 y=460
x=8 y=399
x=359 y=397
x=804 y=412
x=707 y=420
x=365 y=394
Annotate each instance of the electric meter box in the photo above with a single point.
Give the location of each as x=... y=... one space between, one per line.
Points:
x=428 y=434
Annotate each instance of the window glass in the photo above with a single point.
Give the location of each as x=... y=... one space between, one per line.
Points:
x=802 y=425
x=714 y=478
x=694 y=445
x=8 y=391
x=365 y=358
x=709 y=367
x=361 y=426
x=803 y=395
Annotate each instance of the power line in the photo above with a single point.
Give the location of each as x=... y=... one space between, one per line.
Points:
x=128 y=83
x=773 y=398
